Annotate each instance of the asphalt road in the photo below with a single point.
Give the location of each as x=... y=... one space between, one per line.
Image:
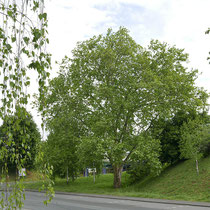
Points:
x=34 y=201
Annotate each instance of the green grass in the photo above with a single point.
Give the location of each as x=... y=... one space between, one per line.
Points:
x=31 y=176
x=179 y=182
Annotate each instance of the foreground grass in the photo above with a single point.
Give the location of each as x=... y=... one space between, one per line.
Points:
x=179 y=182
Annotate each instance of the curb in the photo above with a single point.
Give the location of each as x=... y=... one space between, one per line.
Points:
x=151 y=200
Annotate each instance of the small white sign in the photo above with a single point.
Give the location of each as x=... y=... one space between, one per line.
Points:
x=22 y=172
x=91 y=170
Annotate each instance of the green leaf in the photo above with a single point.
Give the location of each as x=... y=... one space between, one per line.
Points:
x=9 y=13
x=26 y=40
x=43 y=16
x=13 y=39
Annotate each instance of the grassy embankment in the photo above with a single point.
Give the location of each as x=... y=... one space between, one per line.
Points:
x=179 y=182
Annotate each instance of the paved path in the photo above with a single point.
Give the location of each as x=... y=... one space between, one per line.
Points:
x=34 y=201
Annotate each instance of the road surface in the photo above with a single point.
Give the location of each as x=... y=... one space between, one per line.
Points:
x=34 y=201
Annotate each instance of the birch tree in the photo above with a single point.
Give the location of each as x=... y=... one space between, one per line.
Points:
x=193 y=137
x=23 y=40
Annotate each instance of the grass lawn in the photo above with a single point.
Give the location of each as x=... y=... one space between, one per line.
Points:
x=179 y=182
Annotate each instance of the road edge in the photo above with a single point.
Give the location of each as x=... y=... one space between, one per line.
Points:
x=151 y=200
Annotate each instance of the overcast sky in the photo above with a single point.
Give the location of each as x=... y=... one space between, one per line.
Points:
x=178 y=22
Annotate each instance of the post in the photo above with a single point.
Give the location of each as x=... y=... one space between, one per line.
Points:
x=197 y=169
x=67 y=175
x=94 y=176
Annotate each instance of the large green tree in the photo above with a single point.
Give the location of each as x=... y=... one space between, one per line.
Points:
x=25 y=135
x=61 y=151
x=64 y=122
x=122 y=88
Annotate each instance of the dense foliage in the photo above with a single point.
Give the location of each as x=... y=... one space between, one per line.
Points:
x=25 y=139
x=169 y=133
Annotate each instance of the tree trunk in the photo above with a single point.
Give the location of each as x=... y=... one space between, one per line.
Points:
x=94 y=174
x=117 y=175
x=197 y=167
x=67 y=175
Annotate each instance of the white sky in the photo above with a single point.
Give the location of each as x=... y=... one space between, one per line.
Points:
x=178 y=22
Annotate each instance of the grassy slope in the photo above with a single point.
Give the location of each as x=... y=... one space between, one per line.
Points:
x=179 y=182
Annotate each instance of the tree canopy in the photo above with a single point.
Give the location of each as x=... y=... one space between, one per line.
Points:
x=24 y=138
